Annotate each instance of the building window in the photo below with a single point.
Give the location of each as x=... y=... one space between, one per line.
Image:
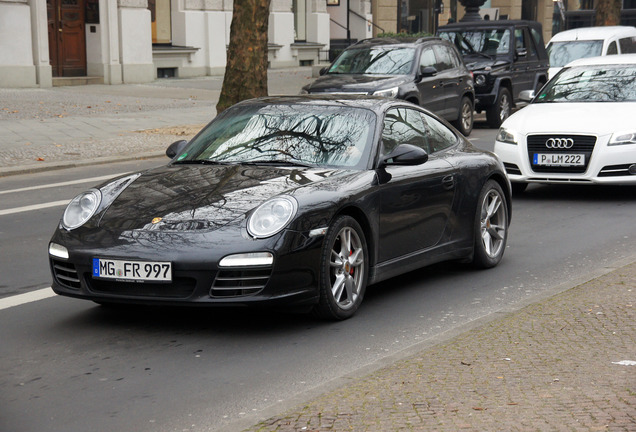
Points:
x=415 y=16
x=161 y=22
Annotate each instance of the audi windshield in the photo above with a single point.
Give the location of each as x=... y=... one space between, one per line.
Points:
x=615 y=83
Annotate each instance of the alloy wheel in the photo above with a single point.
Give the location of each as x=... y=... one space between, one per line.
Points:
x=493 y=223
x=346 y=267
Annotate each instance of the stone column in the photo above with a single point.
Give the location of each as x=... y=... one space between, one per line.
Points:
x=135 y=41
x=16 y=45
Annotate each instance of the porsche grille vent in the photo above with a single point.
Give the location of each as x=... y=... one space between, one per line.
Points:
x=180 y=287
x=240 y=282
x=65 y=274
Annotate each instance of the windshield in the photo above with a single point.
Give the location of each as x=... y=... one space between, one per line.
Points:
x=313 y=135
x=562 y=53
x=490 y=42
x=379 y=60
x=614 y=83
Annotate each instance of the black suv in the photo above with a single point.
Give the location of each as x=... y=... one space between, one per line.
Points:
x=506 y=57
x=428 y=72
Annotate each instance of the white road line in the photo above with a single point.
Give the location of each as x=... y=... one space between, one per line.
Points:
x=66 y=183
x=29 y=297
x=33 y=207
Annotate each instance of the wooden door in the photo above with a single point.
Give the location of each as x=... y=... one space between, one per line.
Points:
x=67 y=39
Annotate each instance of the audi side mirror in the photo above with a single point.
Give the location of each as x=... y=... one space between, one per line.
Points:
x=526 y=95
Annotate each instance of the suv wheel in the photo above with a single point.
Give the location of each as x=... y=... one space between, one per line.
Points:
x=500 y=111
x=464 y=122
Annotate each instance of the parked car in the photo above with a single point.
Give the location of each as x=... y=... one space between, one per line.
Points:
x=574 y=44
x=428 y=72
x=295 y=201
x=506 y=58
x=579 y=129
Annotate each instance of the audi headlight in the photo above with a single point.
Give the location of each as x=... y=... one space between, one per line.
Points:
x=506 y=136
x=81 y=208
x=272 y=216
x=622 y=138
x=389 y=93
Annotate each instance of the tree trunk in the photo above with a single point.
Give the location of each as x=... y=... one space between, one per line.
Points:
x=246 y=69
x=608 y=12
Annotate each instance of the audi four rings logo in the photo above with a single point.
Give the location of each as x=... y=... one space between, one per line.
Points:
x=559 y=143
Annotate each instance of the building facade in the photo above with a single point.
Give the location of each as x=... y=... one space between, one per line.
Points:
x=136 y=41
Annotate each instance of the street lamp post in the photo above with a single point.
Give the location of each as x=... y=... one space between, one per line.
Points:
x=472 y=9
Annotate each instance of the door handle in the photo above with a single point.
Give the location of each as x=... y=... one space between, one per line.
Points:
x=448 y=182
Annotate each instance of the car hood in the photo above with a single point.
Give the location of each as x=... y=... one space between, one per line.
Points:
x=196 y=197
x=598 y=118
x=362 y=83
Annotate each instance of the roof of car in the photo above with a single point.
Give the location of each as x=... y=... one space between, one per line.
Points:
x=489 y=24
x=374 y=103
x=395 y=41
x=628 y=59
x=593 y=33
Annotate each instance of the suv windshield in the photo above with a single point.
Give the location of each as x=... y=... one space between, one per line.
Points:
x=562 y=53
x=489 y=42
x=615 y=83
x=379 y=60
x=315 y=135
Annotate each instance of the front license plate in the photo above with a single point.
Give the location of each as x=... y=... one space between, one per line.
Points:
x=559 y=159
x=132 y=270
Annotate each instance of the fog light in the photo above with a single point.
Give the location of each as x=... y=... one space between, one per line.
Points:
x=57 y=250
x=632 y=169
x=248 y=260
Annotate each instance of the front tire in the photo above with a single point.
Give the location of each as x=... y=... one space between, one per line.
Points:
x=466 y=117
x=344 y=270
x=491 y=226
x=500 y=111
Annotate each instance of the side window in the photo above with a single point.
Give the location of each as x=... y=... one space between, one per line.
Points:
x=439 y=137
x=628 y=45
x=536 y=36
x=427 y=58
x=403 y=126
x=444 y=60
x=612 y=48
x=520 y=42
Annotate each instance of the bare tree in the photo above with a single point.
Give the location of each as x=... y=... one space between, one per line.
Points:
x=608 y=12
x=246 y=69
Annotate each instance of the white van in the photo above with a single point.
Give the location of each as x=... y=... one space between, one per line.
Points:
x=583 y=42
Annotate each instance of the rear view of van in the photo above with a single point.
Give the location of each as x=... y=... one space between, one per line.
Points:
x=583 y=42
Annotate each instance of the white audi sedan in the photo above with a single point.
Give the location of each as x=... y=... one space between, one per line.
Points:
x=580 y=127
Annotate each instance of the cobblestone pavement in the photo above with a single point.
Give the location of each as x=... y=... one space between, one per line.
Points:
x=567 y=363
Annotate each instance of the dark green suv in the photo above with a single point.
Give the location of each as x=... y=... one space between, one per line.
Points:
x=505 y=56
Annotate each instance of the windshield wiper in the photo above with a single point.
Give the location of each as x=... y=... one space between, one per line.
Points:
x=277 y=162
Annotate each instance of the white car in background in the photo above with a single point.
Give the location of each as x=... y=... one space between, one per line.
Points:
x=570 y=45
x=580 y=128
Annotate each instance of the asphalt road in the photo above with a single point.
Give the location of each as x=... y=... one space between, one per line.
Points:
x=69 y=365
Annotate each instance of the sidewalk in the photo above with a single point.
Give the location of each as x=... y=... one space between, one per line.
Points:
x=556 y=365
x=567 y=363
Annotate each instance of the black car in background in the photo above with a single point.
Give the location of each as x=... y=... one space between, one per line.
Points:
x=428 y=72
x=506 y=58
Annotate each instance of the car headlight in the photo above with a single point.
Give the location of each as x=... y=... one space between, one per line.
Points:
x=81 y=208
x=480 y=80
x=272 y=216
x=622 y=138
x=389 y=93
x=506 y=136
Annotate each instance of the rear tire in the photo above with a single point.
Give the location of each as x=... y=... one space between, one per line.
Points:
x=500 y=111
x=344 y=269
x=464 y=122
x=491 y=226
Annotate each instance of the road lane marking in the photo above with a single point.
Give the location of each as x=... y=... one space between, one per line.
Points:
x=34 y=207
x=66 y=183
x=29 y=297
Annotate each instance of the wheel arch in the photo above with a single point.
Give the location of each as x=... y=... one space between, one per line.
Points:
x=369 y=235
x=502 y=180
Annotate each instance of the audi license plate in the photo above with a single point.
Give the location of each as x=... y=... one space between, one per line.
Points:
x=139 y=271
x=559 y=159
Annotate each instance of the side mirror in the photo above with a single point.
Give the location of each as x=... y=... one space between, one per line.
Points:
x=521 y=52
x=323 y=71
x=175 y=148
x=405 y=154
x=427 y=71
x=526 y=95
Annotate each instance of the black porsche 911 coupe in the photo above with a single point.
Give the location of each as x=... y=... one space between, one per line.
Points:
x=296 y=201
